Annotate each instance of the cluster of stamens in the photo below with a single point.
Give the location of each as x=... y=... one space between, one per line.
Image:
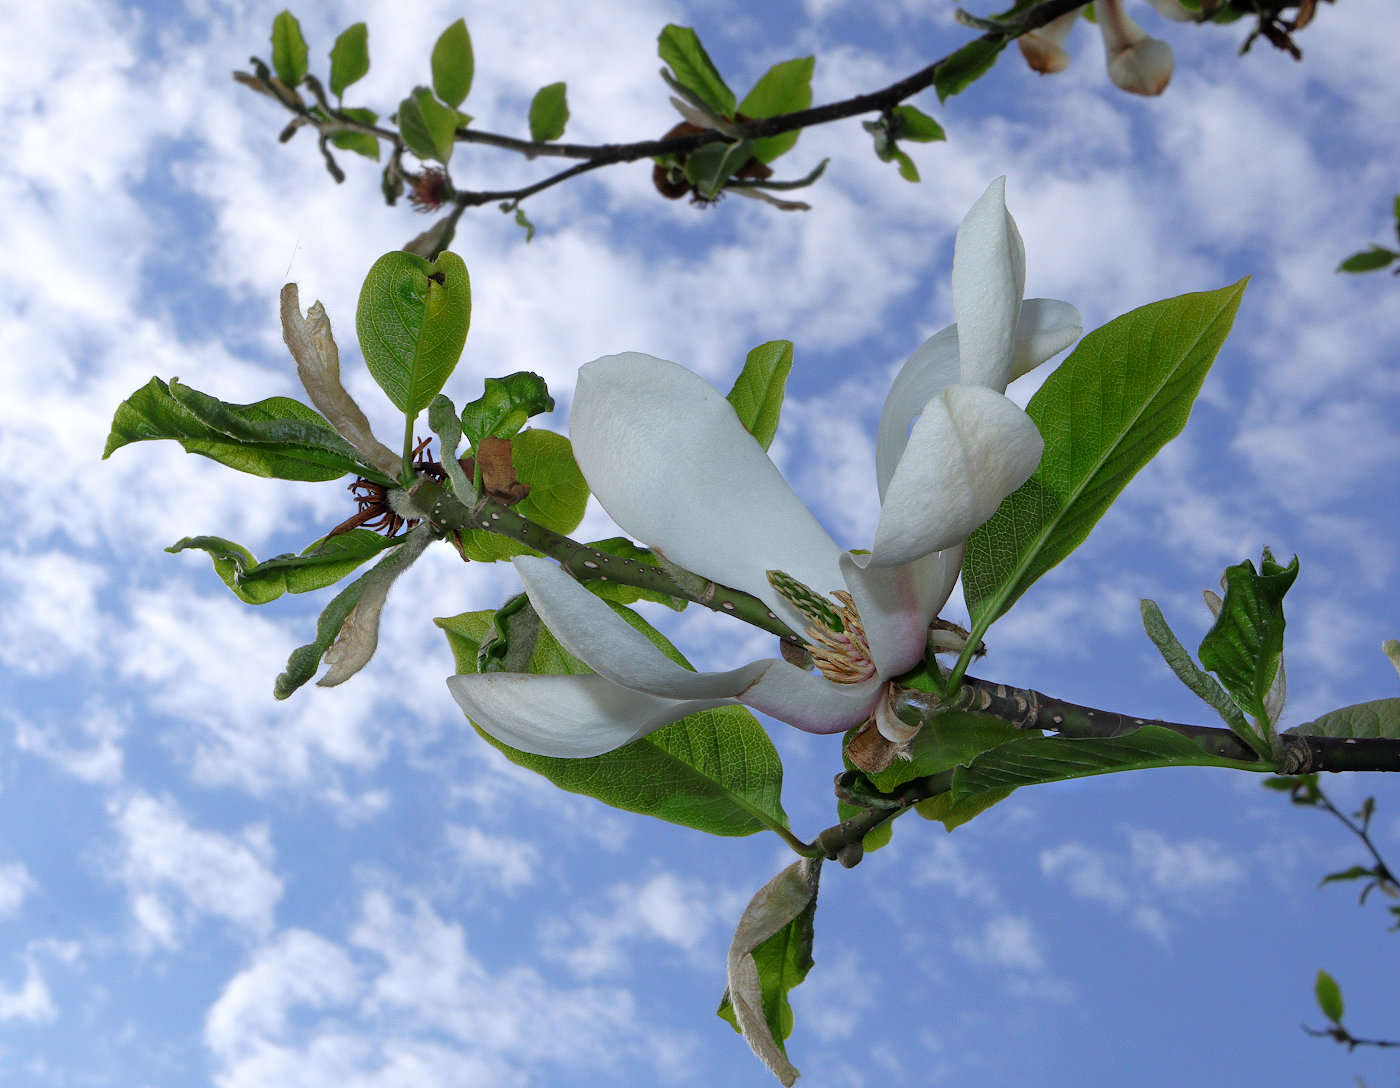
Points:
x=843 y=657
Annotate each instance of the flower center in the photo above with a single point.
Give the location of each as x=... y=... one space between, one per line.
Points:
x=834 y=634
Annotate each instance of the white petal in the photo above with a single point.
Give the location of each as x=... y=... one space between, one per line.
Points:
x=1046 y=328
x=670 y=462
x=933 y=367
x=1136 y=63
x=567 y=716
x=970 y=449
x=606 y=643
x=896 y=604
x=989 y=278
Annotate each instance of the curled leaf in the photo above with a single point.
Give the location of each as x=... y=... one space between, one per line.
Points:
x=318 y=366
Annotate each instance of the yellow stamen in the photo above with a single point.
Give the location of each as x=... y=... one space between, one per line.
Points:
x=842 y=657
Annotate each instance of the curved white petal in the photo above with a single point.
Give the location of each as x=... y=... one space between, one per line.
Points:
x=1046 y=328
x=670 y=462
x=1044 y=47
x=590 y=630
x=1136 y=63
x=989 y=279
x=925 y=374
x=896 y=604
x=567 y=716
x=970 y=449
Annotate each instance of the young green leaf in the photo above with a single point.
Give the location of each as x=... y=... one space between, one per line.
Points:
x=758 y=391
x=964 y=67
x=913 y=124
x=277 y=437
x=1379 y=718
x=427 y=126
x=711 y=166
x=505 y=405
x=716 y=771
x=305 y=660
x=412 y=321
x=784 y=88
x=1187 y=671
x=1369 y=260
x=349 y=58
x=549 y=112
x=680 y=48
x=1329 y=997
x=453 y=64
x=558 y=494
x=322 y=563
x=1123 y=393
x=288 y=49
x=1244 y=646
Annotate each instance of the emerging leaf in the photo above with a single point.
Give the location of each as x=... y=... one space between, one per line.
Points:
x=549 y=112
x=680 y=48
x=428 y=127
x=349 y=58
x=784 y=88
x=288 y=49
x=1329 y=997
x=964 y=67
x=1380 y=718
x=505 y=406
x=757 y=395
x=322 y=563
x=453 y=64
x=1369 y=260
x=1246 y=643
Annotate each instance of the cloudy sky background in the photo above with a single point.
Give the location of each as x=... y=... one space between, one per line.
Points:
x=199 y=885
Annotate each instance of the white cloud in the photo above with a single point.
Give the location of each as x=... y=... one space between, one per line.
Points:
x=498 y=860
x=50 y=619
x=15 y=885
x=176 y=874
x=1007 y=941
x=31 y=1000
x=943 y=863
x=85 y=744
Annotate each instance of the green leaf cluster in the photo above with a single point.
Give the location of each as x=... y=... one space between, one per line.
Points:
x=902 y=123
x=1375 y=257
x=715 y=771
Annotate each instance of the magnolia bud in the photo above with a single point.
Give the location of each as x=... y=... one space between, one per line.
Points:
x=1136 y=63
x=1044 y=49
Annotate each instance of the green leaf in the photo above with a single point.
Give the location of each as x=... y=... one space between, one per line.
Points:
x=453 y=64
x=1356 y=872
x=349 y=58
x=412 y=321
x=715 y=771
x=505 y=406
x=1179 y=659
x=428 y=127
x=964 y=67
x=784 y=88
x=1369 y=260
x=305 y=660
x=523 y=221
x=549 y=112
x=288 y=49
x=1380 y=718
x=558 y=494
x=947 y=740
x=1329 y=997
x=1123 y=393
x=680 y=48
x=322 y=563
x=1244 y=645
x=623 y=548
x=783 y=961
x=758 y=391
x=710 y=167
x=278 y=437
x=914 y=124
x=1031 y=761
x=362 y=143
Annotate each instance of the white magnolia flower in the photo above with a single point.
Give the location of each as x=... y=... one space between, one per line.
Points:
x=669 y=460
x=1136 y=62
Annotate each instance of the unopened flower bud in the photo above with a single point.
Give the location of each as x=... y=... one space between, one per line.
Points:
x=1136 y=63
x=1044 y=48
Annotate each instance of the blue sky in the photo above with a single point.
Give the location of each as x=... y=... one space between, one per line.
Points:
x=200 y=885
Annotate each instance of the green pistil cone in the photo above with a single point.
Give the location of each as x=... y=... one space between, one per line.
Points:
x=815 y=607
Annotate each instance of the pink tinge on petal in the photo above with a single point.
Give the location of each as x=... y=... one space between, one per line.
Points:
x=672 y=464
x=897 y=603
